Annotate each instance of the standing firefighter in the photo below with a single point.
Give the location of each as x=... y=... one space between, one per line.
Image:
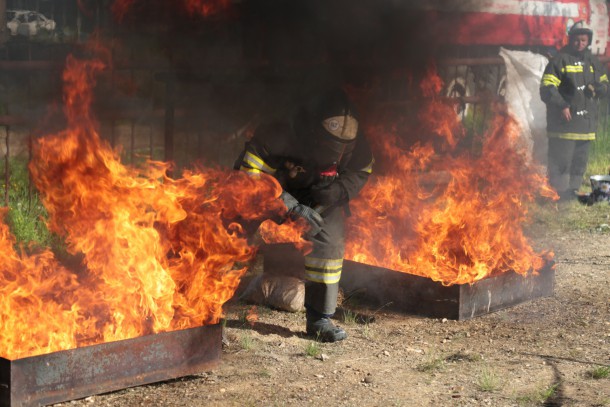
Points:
x=571 y=86
x=322 y=162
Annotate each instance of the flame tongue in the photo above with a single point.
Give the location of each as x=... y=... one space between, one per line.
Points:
x=475 y=227
x=102 y=207
x=457 y=219
x=28 y=294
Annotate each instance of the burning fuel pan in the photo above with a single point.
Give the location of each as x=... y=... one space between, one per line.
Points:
x=77 y=373
x=422 y=296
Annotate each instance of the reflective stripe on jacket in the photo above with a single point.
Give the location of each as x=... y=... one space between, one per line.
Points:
x=564 y=84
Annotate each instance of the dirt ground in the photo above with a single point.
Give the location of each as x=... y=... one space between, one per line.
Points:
x=552 y=351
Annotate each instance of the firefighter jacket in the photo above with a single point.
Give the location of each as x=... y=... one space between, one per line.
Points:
x=577 y=81
x=294 y=160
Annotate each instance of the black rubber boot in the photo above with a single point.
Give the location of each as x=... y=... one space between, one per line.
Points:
x=323 y=330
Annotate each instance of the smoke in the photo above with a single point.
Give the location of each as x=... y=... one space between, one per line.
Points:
x=260 y=59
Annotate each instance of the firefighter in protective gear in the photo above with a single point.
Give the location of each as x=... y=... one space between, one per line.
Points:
x=322 y=162
x=571 y=86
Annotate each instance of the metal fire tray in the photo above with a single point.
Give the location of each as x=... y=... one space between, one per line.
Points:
x=77 y=373
x=422 y=296
x=417 y=295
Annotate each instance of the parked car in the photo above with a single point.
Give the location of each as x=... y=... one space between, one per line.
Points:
x=28 y=23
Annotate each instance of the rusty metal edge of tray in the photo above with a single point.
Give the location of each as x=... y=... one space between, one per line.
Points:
x=81 y=372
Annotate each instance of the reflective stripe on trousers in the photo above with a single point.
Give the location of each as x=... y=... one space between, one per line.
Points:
x=324 y=264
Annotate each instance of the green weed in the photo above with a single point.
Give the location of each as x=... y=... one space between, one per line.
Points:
x=573 y=216
x=537 y=396
x=367 y=332
x=26 y=216
x=548 y=392
x=265 y=374
x=488 y=380
x=313 y=349
x=247 y=342
x=432 y=363
x=349 y=317
x=600 y=148
x=601 y=372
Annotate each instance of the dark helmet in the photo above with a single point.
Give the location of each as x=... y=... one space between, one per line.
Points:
x=334 y=128
x=579 y=28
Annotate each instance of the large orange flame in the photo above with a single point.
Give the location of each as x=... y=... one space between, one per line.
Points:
x=288 y=232
x=152 y=253
x=456 y=217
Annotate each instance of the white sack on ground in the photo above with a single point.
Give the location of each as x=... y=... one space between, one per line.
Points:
x=524 y=70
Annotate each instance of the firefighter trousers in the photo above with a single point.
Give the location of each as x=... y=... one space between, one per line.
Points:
x=567 y=164
x=324 y=264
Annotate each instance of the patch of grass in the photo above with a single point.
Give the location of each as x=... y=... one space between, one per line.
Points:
x=367 y=332
x=548 y=392
x=349 y=317
x=573 y=216
x=247 y=342
x=476 y=122
x=601 y=372
x=600 y=148
x=488 y=380
x=529 y=399
x=538 y=396
x=265 y=374
x=373 y=333
x=313 y=349
x=26 y=216
x=433 y=363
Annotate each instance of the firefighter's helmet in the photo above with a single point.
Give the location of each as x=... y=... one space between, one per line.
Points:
x=334 y=129
x=336 y=117
x=581 y=27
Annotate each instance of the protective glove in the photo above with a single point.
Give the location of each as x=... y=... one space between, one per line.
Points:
x=590 y=91
x=295 y=209
x=329 y=194
x=596 y=90
x=601 y=89
x=289 y=200
x=315 y=220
